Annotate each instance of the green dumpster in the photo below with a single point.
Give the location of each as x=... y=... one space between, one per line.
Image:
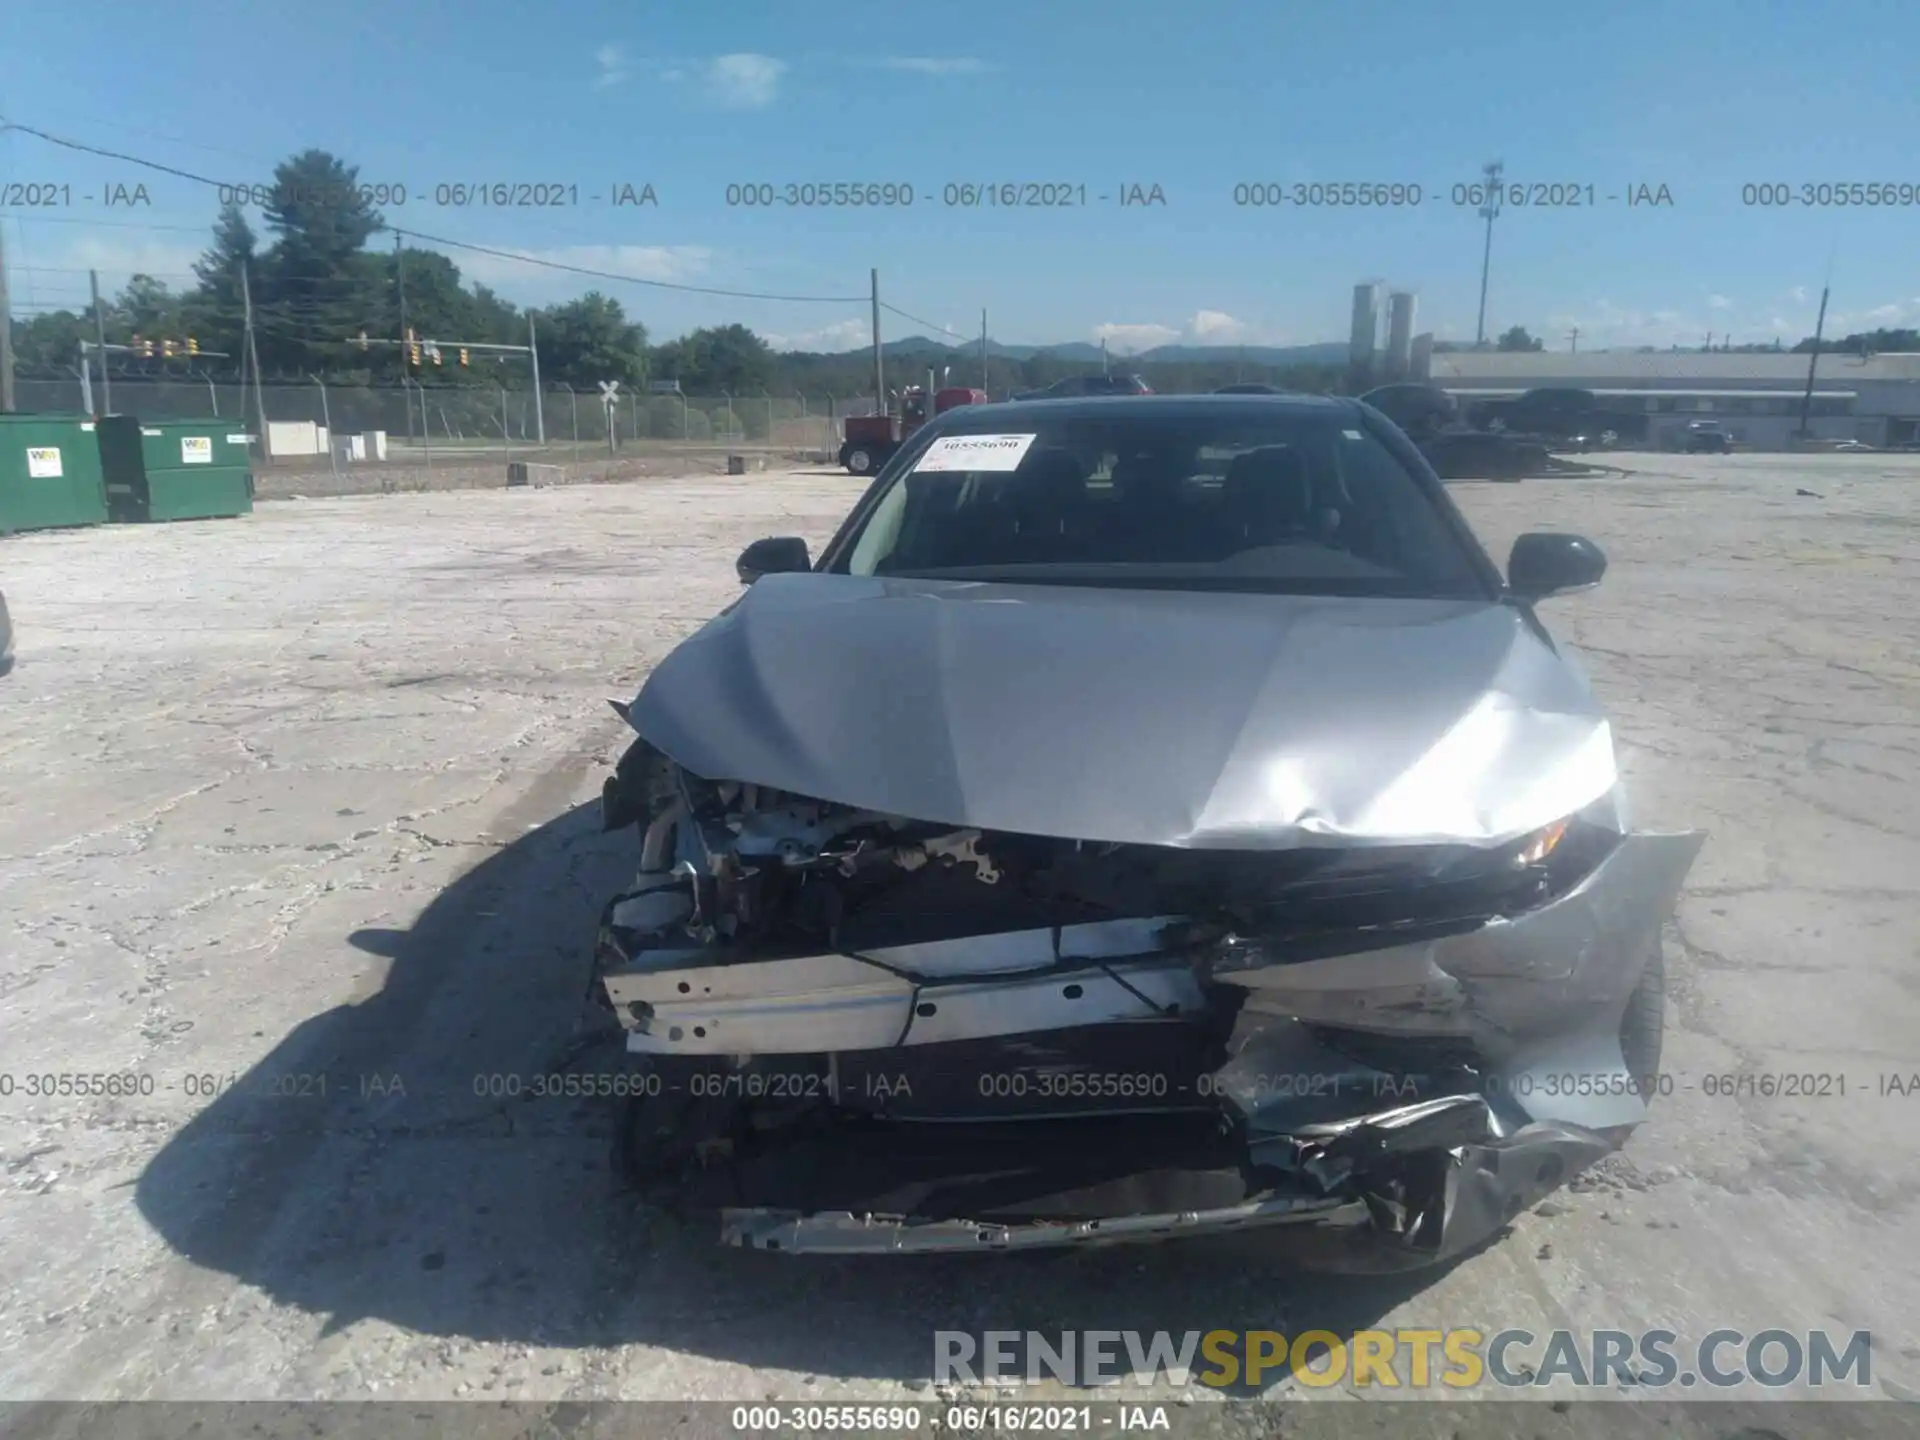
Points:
x=49 y=473
x=175 y=469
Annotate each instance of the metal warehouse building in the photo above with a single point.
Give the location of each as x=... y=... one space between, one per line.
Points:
x=1756 y=398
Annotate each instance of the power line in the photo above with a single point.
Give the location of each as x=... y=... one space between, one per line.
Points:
x=930 y=324
x=628 y=279
x=180 y=174
x=21 y=217
x=7 y=125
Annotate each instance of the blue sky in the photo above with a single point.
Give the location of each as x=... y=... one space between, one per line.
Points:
x=1702 y=96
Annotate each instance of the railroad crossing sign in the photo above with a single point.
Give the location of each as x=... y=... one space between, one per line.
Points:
x=610 y=400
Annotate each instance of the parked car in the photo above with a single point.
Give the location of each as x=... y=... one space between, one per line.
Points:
x=1145 y=817
x=6 y=637
x=1483 y=455
x=1250 y=388
x=1076 y=386
x=1706 y=437
x=1418 y=409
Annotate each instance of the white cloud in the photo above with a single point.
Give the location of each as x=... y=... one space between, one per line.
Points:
x=1798 y=293
x=1216 y=327
x=611 y=67
x=831 y=339
x=1204 y=327
x=1898 y=314
x=1605 y=325
x=745 y=81
x=677 y=263
x=935 y=64
x=115 y=257
x=1130 y=339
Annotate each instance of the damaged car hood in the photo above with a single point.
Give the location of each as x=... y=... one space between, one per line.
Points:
x=1137 y=716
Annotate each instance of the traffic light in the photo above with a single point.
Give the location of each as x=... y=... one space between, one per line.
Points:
x=193 y=346
x=362 y=340
x=166 y=349
x=434 y=351
x=463 y=354
x=413 y=349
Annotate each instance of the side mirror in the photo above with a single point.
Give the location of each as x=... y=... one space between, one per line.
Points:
x=1546 y=563
x=776 y=555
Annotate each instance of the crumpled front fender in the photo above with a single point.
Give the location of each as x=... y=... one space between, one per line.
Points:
x=1540 y=995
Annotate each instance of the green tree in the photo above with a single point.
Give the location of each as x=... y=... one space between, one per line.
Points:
x=146 y=307
x=1868 y=342
x=214 y=311
x=730 y=358
x=1518 y=339
x=589 y=340
x=48 y=344
x=315 y=293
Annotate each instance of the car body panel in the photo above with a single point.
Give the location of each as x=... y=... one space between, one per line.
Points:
x=1146 y=717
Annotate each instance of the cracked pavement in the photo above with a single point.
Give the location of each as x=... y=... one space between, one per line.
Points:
x=300 y=846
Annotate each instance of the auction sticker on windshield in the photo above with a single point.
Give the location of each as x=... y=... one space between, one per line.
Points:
x=976 y=452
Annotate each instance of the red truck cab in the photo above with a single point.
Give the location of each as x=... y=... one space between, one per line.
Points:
x=869 y=440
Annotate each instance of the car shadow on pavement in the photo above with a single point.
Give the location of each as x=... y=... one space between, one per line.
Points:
x=390 y=1160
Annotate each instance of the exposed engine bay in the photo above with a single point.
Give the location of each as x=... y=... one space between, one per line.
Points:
x=863 y=1032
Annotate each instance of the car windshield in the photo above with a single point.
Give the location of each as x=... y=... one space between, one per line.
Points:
x=1302 y=502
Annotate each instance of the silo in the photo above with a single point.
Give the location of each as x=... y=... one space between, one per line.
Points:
x=1422 y=366
x=1400 y=334
x=1366 y=325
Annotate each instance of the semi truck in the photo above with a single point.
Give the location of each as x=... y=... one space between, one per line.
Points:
x=869 y=440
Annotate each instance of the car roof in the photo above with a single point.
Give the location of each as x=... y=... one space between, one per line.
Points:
x=1172 y=408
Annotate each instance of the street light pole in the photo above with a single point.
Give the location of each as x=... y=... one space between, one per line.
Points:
x=100 y=334
x=1488 y=212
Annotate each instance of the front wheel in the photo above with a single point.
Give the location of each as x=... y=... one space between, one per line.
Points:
x=1643 y=1027
x=860 y=461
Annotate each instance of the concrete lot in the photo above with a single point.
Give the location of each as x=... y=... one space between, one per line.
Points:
x=299 y=825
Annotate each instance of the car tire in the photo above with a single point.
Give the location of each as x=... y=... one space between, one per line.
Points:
x=860 y=461
x=1643 y=1026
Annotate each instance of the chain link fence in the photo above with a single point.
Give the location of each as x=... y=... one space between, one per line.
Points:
x=432 y=420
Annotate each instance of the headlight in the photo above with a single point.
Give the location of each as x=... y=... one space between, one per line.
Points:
x=1539 y=845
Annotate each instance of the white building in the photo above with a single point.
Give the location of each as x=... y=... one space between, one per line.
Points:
x=1755 y=398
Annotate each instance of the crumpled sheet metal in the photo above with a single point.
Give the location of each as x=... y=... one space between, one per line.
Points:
x=1136 y=716
x=1541 y=994
x=1485 y=1187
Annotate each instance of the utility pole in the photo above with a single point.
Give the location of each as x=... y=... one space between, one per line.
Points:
x=253 y=353
x=100 y=334
x=539 y=404
x=1813 y=360
x=1103 y=355
x=400 y=287
x=1573 y=340
x=983 y=350
x=6 y=339
x=879 y=367
x=1488 y=212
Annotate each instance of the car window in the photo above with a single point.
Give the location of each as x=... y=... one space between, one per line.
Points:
x=1309 y=503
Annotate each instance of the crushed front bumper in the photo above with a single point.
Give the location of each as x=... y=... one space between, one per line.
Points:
x=1378 y=1105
